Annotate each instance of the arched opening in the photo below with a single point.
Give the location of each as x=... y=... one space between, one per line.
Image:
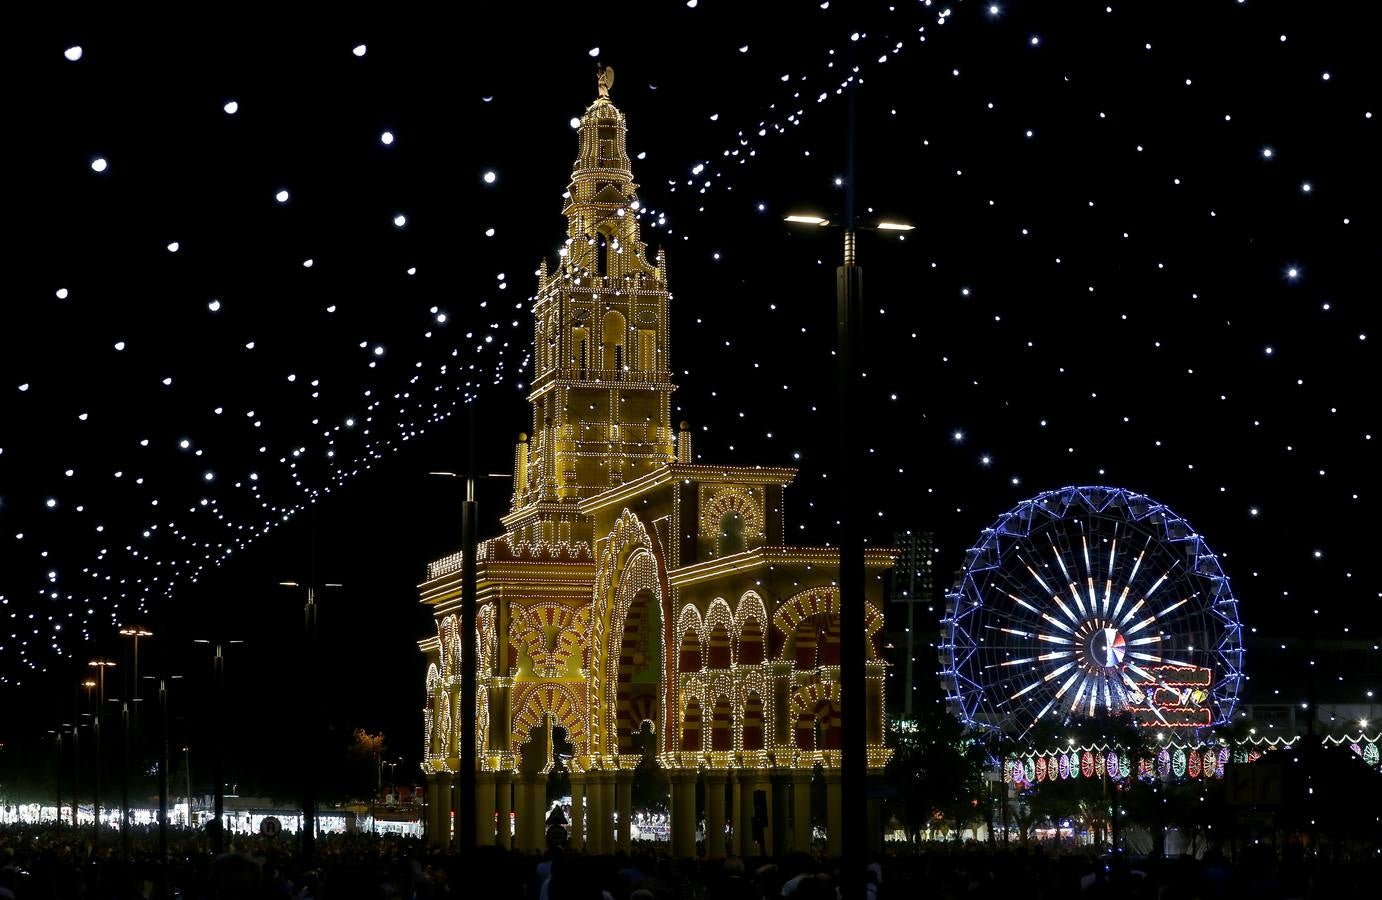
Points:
x=732 y=533
x=830 y=643
x=751 y=643
x=691 y=726
x=722 y=725
x=689 y=659
x=753 y=722
x=805 y=730
x=612 y=334
x=816 y=641
x=828 y=724
x=580 y=347
x=805 y=638
x=559 y=776
x=599 y=257
x=640 y=669
x=719 y=652
x=647 y=350
x=651 y=789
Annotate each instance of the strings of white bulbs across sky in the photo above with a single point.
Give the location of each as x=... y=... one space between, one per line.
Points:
x=104 y=587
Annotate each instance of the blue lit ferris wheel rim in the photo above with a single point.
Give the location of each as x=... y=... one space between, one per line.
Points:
x=1091 y=601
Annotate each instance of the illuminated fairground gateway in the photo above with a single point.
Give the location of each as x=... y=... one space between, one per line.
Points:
x=635 y=595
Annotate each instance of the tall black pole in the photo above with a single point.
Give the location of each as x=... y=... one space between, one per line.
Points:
x=309 y=795
x=187 y=769
x=125 y=781
x=76 y=766
x=465 y=813
x=57 y=777
x=163 y=777
x=849 y=290
x=219 y=676
x=96 y=793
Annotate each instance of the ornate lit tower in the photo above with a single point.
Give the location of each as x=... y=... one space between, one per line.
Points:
x=601 y=387
x=646 y=605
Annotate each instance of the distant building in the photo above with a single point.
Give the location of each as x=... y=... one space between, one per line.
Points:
x=912 y=623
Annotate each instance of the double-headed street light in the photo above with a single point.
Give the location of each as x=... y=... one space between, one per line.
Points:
x=470 y=538
x=135 y=632
x=219 y=673
x=309 y=744
x=163 y=767
x=88 y=683
x=100 y=664
x=849 y=297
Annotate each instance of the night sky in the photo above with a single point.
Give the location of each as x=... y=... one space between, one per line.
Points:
x=251 y=263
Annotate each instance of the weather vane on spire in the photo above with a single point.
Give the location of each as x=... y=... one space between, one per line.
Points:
x=605 y=80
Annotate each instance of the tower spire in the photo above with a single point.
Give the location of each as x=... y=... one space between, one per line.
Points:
x=602 y=378
x=602 y=204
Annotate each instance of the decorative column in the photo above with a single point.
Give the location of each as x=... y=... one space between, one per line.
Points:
x=834 y=812
x=875 y=836
x=623 y=804
x=436 y=836
x=596 y=817
x=684 y=812
x=780 y=779
x=537 y=811
x=522 y=787
x=801 y=810
x=736 y=815
x=447 y=795
x=715 y=813
x=503 y=805
x=577 y=840
x=484 y=808
x=607 y=836
x=754 y=781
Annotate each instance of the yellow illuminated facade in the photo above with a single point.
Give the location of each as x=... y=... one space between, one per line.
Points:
x=634 y=591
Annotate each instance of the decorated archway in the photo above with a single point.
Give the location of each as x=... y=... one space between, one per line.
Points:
x=630 y=569
x=551 y=704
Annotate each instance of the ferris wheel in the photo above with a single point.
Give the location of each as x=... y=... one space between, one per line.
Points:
x=1087 y=602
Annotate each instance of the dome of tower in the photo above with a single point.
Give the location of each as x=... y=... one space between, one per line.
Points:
x=602 y=112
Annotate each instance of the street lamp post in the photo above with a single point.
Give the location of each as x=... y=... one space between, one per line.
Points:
x=135 y=632
x=187 y=770
x=309 y=785
x=849 y=295
x=57 y=774
x=125 y=780
x=218 y=668
x=469 y=665
x=100 y=665
x=77 y=747
x=163 y=768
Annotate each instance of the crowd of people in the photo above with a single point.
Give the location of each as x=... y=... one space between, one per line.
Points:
x=55 y=863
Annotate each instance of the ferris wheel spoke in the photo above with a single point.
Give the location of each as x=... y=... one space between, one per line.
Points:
x=1058 y=623
x=1176 y=605
x=1022 y=603
x=1141 y=625
x=1133 y=611
x=1071 y=680
x=1065 y=609
x=1121 y=600
x=1079 y=601
x=1079 y=693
